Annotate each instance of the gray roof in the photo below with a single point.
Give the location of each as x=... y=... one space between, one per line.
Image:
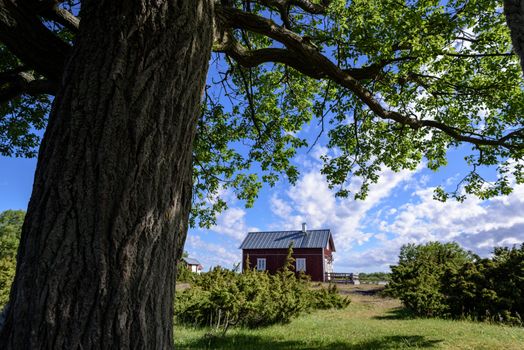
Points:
x=282 y=239
x=191 y=261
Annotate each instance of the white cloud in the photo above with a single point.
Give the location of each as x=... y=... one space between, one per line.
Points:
x=280 y=207
x=219 y=246
x=232 y=223
x=212 y=254
x=368 y=234
x=475 y=224
x=313 y=202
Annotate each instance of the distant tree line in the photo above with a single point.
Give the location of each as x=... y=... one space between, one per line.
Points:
x=444 y=280
x=373 y=277
x=10 y=227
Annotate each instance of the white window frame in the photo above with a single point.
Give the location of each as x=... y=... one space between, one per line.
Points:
x=261 y=264
x=300 y=264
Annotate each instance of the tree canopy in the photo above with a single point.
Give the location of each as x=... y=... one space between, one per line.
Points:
x=387 y=84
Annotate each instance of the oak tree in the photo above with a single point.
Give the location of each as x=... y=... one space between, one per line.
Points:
x=130 y=155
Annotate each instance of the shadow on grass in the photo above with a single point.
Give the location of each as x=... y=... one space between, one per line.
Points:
x=398 y=313
x=244 y=342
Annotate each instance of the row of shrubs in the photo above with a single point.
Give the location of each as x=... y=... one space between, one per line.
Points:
x=223 y=298
x=442 y=279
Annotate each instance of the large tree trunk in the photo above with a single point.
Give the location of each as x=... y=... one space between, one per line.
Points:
x=109 y=210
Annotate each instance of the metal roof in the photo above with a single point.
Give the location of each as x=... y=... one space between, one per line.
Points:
x=191 y=261
x=282 y=239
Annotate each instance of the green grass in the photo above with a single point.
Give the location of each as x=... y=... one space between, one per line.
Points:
x=370 y=322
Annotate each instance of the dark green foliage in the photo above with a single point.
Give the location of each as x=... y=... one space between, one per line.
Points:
x=10 y=227
x=183 y=273
x=223 y=298
x=329 y=298
x=418 y=278
x=461 y=285
x=21 y=117
x=7 y=274
x=489 y=289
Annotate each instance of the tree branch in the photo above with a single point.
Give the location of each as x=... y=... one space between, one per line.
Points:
x=63 y=17
x=27 y=38
x=50 y=10
x=18 y=82
x=312 y=60
x=252 y=58
x=479 y=55
x=306 y=5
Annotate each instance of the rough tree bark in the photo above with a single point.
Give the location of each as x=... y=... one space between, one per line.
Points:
x=109 y=209
x=514 y=11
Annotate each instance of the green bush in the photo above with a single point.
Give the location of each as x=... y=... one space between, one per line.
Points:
x=489 y=289
x=418 y=278
x=323 y=299
x=184 y=274
x=444 y=280
x=222 y=298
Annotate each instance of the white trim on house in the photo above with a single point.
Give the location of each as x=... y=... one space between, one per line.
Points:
x=324 y=265
x=261 y=264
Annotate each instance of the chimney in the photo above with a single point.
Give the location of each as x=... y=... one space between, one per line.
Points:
x=304 y=228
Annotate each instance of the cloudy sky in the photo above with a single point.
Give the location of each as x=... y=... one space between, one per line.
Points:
x=368 y=234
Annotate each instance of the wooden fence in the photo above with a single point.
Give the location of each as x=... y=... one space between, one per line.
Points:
x=342 y=277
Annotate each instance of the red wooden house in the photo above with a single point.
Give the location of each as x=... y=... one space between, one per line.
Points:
x=312 y=250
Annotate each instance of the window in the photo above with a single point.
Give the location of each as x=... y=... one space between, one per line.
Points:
x=261 y=264
x=301 y=264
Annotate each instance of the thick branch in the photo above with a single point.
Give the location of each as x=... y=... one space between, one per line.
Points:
x=306 y=5
x=325 y=68
x=27 y=38
x=252 y=58
x=63 y=17
x=49 y=9
x=310 y=7
x=17 y=82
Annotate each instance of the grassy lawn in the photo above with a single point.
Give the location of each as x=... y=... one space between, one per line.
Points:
x=370 y=322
